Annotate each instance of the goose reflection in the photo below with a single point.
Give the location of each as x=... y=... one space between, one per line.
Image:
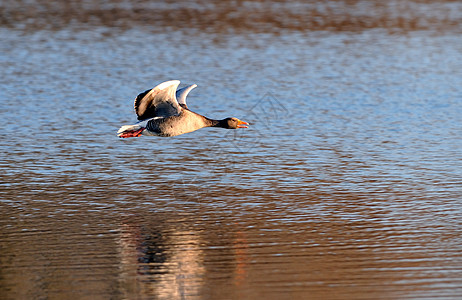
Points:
x=160 y=264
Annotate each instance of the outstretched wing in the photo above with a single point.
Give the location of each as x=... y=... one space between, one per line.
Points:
x=182 y=93
x=158 y=102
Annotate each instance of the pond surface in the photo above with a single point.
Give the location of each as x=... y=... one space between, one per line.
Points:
x=347 y=185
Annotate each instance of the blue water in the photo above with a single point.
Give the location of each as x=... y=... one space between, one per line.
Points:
x=347 y=185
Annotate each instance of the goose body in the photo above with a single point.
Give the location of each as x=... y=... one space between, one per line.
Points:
x=162 y=111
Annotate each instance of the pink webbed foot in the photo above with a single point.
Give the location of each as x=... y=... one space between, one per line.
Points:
x=131 y=133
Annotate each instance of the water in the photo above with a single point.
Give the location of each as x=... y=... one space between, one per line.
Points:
x=347 y=185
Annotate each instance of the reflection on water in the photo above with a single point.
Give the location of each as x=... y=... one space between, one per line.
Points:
x=173 y=256
x=228 y=16
x=166 y=265
x=346 y=186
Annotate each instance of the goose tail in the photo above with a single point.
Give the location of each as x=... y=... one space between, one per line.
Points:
x=127 y=131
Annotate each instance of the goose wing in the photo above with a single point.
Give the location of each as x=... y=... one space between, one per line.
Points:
x=158 y=102
x=182 y=93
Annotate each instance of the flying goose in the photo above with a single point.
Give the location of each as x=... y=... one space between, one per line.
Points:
x=162 y=111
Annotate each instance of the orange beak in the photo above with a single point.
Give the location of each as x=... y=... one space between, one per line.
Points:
x=241 y=124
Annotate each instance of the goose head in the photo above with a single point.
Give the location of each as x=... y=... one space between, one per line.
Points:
x=232 y=123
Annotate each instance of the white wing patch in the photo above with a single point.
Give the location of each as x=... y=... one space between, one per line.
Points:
x=167 y=84
x=182 y=93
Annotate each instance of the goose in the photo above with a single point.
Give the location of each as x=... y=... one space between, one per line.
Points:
x=162 y=111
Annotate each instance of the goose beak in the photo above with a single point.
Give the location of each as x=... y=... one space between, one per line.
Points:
x=241 y=124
